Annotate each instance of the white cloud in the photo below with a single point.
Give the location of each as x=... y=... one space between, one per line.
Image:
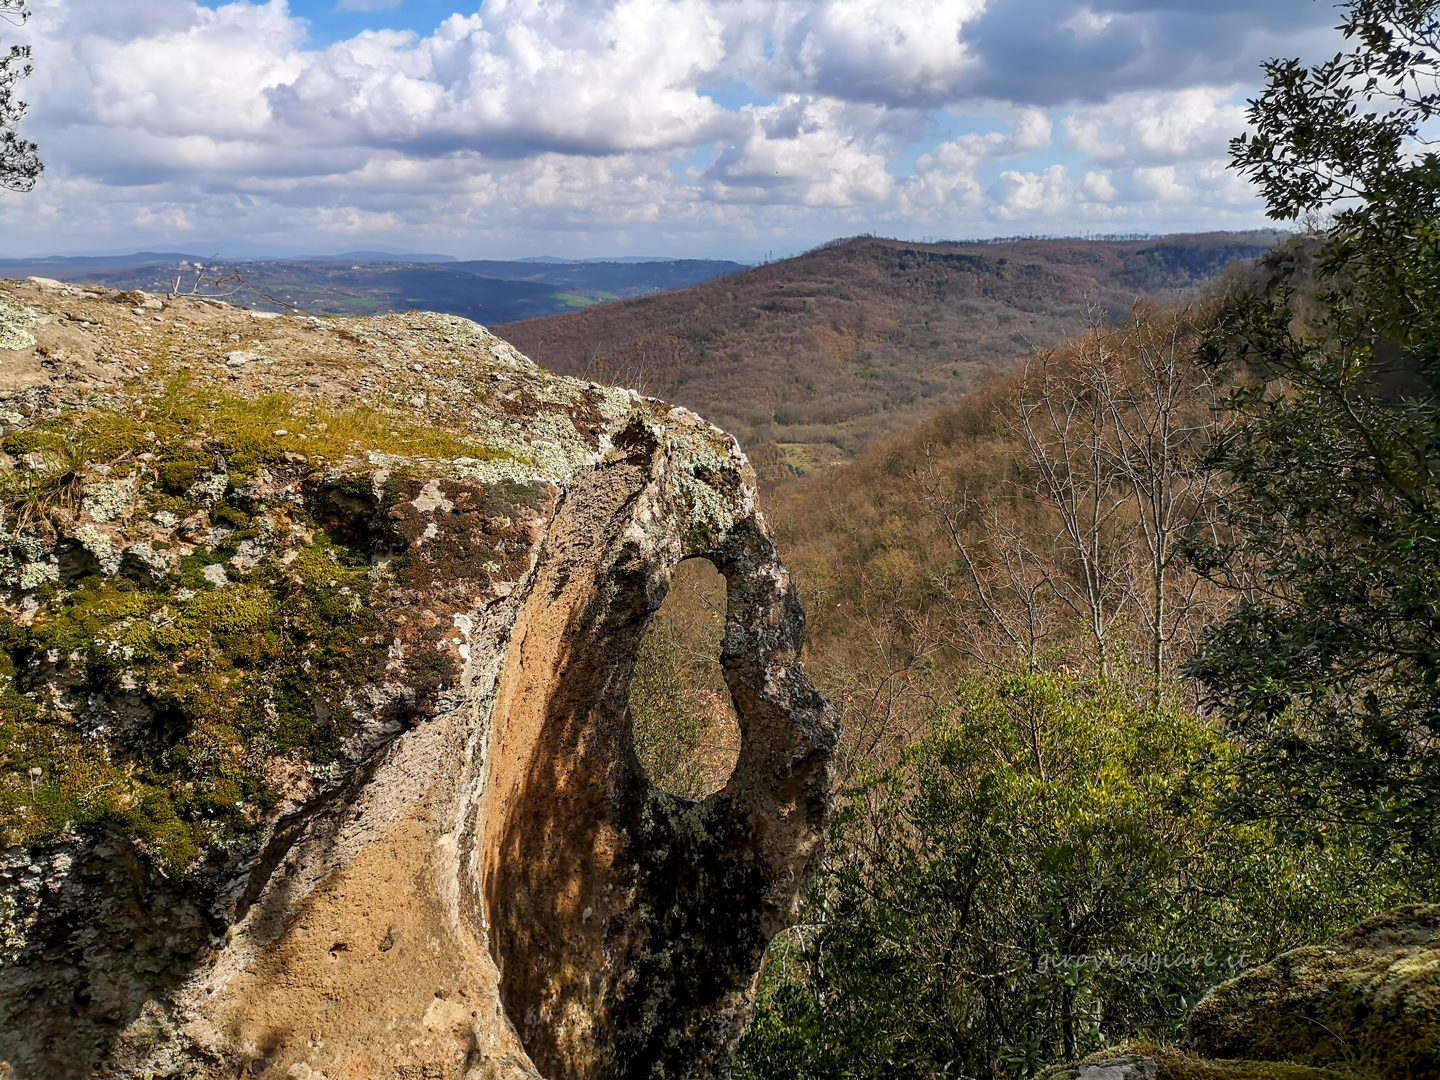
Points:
x=519 y=77
x=206 y=78
x=877 y=51
x=947 y=179
x=811 y=151
x=1098 y=187
x=1182 y=125
x=1029 y=196
x=772 y=120
x=1161 y=183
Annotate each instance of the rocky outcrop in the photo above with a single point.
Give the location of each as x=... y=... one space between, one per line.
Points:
x=1370 y=999
x=1364 y=1007
x=315 y=756
x=1141 y=1061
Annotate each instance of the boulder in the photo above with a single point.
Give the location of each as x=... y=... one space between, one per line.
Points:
x=1369 y=999
x=1145 y=1062
x=1364 y=1007
x=364 y=804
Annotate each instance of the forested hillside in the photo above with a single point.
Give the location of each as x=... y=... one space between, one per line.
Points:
x=1006 y=605
x=821 y=353
x=1137 y=652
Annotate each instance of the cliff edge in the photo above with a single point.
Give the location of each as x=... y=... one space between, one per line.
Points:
x=315 y=756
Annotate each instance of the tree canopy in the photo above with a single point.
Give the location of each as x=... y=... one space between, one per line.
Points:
x=20 y=164
x=1329 y=666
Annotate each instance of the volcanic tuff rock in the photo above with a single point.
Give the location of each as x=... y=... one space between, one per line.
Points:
x=315 y=759
x=1369 y=1000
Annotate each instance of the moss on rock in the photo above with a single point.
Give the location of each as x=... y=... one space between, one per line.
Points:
x=1371 y=999
x=1146 y=1061
x=177 y=700
x=196 y=623
x=1364 y=1007
x=200 y=583
x=311 y=629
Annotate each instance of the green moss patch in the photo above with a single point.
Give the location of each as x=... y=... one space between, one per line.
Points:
x=1372 y=997
x=179 y=701
x=184 y=423
x=1165 y=1063
x=203 y=640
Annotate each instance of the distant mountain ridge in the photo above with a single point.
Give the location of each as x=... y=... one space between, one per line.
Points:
x=371 y=256
x=811 y=358
x=367 y=282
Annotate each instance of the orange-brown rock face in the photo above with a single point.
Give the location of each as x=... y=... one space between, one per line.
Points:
x=471 y=875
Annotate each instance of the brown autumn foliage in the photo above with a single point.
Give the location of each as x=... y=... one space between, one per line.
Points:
x=1038 y=521
x=685 y=728
x=809 y=359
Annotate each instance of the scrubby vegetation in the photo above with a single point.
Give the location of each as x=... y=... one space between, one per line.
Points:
x=1007 y=604
x=1136 y=647
x=1049 y=870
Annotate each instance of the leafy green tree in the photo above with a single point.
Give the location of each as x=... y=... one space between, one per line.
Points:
x=1047 y=873
x=20 y=164
x=1329 y=666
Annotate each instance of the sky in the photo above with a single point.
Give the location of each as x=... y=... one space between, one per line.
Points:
x=743 y=129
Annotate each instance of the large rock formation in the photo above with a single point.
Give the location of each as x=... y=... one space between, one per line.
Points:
x=315 y=755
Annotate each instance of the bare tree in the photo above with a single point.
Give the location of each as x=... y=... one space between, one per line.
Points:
x=1088 y=531
x=1063 y=412
x=1006 y=578
x=1161 y=415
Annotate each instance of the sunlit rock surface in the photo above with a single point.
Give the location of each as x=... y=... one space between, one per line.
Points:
x=315 y=646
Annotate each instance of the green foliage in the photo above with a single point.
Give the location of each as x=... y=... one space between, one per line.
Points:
x=1345 y=129
x=570 y=301
x=1049 y=871
x=1330 y=664
x=20 y=164
x=187 y=428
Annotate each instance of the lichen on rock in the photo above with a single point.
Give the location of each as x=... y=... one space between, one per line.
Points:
x=16 y=321
x=1363 y=1007
x=1142 y=1061
x=314 y=745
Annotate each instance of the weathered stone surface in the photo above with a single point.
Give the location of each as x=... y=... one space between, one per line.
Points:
x=1364 y=1007
x=1144 y=1062
x=469 y=875
x=1370 y=999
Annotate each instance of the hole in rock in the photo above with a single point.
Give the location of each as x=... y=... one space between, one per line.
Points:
x=686 y=733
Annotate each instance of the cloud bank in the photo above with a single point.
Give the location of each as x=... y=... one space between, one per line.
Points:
x=669 y=126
